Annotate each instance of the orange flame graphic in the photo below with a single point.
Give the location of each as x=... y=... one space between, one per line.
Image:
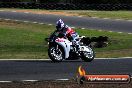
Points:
x=81 y=71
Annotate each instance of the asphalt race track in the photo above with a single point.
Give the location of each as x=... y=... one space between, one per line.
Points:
x=47 y=70
x=82 y=22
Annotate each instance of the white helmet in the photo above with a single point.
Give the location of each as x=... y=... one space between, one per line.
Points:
x=59 y=24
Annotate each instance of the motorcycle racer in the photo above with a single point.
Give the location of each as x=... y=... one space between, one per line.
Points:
x=67 y=32
x=65 y=44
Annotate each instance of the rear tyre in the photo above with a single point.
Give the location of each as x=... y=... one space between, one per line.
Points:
x=88 y=56
x=56 y=55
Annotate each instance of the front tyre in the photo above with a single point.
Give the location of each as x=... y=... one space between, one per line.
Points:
x=56 y=54
x=88 y=56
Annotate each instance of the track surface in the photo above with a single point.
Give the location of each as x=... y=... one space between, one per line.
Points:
x=82 y=22
x=46 y=70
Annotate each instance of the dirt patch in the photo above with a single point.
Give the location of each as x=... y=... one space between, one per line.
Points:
x=21 y=26
x=47 y=12
x=8 y=22
x=61 y=84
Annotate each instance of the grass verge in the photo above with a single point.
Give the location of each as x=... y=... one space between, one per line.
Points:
x=126 y=15
x=26 y=40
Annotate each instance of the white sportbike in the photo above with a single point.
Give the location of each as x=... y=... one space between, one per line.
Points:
x=61 y=48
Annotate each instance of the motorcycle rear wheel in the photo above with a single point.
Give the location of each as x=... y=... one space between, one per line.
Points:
x=87 y=57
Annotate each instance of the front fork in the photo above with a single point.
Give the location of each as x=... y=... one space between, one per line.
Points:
x=57 y=48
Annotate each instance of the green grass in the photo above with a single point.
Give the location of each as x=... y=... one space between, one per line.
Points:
x=23 y=40
x=26 y=40
x=120 y=45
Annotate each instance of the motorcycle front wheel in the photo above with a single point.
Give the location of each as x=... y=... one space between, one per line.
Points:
x=56 y=54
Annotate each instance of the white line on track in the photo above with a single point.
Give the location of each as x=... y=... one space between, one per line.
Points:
x=72 y=27
x=100 y=30
x=50 y=24
x=29 y=80
x=118 y=19
x=129 y=20
x=26 y=12
x=26 y=21
x=120 y=32
x=110 y=31
x=106 y=18
x=82 y=28
x=24 y=59
x=36 y=80
x=80 y=16
x=16 y=20
x=115 y=58
x=126 y=57
x=35 y=22
x=129 y=33
x=14 y=11
x=50 y=60
x=41 y=23
x=62 y=79
x=7 y=19
x=5 y=81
